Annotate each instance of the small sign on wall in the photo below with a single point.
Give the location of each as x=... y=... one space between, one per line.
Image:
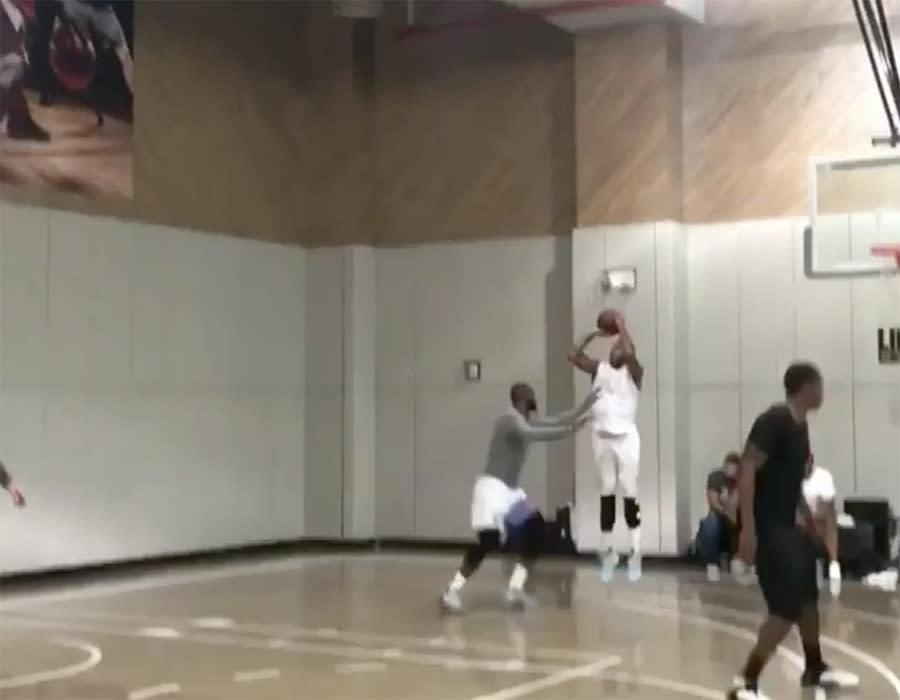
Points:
x=472 y=370
x=889 y=346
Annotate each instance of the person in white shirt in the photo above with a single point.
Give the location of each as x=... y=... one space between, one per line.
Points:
x=820 y=495
x=615 y=439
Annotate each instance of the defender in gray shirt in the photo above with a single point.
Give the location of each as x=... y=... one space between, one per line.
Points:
x=499 y=506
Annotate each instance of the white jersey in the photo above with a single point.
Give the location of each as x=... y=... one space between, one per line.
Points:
x=819 y=489
x=615 y=410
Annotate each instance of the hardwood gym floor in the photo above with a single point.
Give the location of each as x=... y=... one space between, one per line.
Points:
x=366 y=627
x=80 y=157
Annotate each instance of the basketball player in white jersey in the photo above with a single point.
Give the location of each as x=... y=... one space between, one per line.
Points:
x=615 y=439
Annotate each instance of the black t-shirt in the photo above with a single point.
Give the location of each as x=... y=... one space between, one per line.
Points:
x=779 y=482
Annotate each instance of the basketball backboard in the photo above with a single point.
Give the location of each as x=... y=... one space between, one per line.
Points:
x=854 y=205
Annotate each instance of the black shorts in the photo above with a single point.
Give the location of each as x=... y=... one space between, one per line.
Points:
x=786 y=569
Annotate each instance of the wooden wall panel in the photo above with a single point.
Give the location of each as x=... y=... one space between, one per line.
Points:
x=254 y=119
x=624 y=113
x=474 y=132
x=766 y=86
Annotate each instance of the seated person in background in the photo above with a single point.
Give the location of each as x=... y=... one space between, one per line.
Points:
x=820 y=495
x=718 y=532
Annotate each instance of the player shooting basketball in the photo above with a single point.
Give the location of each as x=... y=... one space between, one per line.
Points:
x=615 y=439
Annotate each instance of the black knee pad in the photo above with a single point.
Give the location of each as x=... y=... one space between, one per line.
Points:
x=607 y=513
x=533 y=536
x=632 y=513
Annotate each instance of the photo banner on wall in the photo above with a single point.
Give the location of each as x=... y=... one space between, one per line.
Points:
x=66 y=71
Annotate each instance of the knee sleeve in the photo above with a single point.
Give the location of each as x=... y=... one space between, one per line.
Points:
x=632 y=513
x=533 y=536
x=488 y=541
x=607 y=513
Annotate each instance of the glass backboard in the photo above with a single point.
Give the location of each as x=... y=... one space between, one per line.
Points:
x=854 y=205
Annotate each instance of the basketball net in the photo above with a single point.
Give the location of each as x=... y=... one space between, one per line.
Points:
x=891 y=254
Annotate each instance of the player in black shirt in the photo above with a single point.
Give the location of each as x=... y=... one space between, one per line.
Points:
x=772 y=509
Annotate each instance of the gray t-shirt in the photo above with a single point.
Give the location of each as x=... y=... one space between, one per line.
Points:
x=509 y=443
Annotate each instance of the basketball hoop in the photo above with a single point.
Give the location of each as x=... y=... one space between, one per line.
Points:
x=892 y=255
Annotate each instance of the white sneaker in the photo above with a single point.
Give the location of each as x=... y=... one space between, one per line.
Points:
x=517 y=600
x=740 y=691
x=741 y=573
x=635 y=567
x=713 y=573
x=883 y=580
x=829 y=679
x=841 y=680
x=608 y=564
x=451 y=602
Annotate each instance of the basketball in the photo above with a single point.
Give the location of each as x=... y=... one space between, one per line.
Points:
x=607 y=323
x=72 y=57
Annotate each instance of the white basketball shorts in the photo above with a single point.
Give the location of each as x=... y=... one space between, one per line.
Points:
x=491 y=502
x=618 y=459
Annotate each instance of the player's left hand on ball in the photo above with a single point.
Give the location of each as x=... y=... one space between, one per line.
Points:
x=18 y=498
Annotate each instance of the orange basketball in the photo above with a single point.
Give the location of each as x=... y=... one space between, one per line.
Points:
x=72 y=57
x=606 y=322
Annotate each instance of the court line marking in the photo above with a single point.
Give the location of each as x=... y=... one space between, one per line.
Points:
x=284 y=633
x=697 y=691
x=263 y=674
x=850 y=650
x=341 y=651
x=795 y=659
x=654 y=610
x=460 y=663
x=296 y=563
x=213 y=623
x=552 y=680
x=154 y=691
x=701 y=621
x=360 y=667
x=94 y=657
x=727 y=590
x=16 y=601
x=279 y=565
x=159 y=633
